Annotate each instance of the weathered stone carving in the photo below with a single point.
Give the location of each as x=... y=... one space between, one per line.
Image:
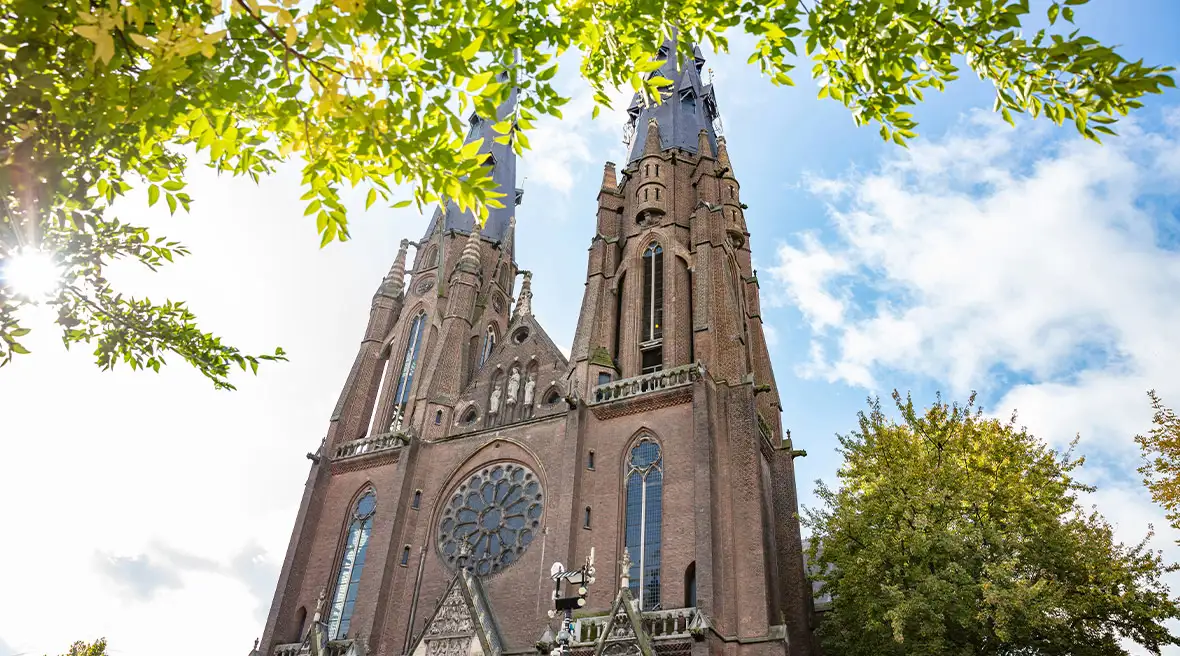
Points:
x=513 y=386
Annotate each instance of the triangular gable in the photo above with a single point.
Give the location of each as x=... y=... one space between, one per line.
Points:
x=462 y=624
x=623 y=634
x=538 y=333
x=537 y=346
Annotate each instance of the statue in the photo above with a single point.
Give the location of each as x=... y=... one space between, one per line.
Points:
x=494 y=403
x=513 y=386
x=530 y=386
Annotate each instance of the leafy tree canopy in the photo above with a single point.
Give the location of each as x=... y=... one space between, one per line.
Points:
x=101 y=96
x=97 y=648
x=1161 y=454
x=955 y=534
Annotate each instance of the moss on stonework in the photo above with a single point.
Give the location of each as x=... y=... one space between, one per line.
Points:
x=600 y=356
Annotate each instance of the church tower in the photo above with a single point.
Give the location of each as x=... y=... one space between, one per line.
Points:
x=467 y=454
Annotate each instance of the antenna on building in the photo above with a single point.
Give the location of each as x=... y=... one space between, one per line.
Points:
x=718 y=128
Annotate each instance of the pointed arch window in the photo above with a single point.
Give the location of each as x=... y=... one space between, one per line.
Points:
x=352 y=563
x=489 y=343
x=401 y=398
x=653 y=308
x=644 y=515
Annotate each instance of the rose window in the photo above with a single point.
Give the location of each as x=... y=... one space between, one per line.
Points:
x=490 y=519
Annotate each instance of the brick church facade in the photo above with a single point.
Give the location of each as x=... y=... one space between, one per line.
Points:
x=466 y=453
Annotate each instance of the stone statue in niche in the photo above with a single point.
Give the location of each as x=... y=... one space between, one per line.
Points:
x=494 y=403
x=530 y=386
x=513 y=386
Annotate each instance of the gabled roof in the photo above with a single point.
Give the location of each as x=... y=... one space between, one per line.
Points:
x=625 y=627
x=464 y=610
x=543 y=349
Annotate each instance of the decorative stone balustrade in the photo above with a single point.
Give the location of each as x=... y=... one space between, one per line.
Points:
x=653 y=382
x=659 y=624
x=374 y=444
x=335 y=648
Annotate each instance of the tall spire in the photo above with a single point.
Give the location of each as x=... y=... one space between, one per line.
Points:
x=503 y=160
x=688 y=106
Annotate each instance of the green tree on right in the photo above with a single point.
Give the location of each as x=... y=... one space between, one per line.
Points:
x=952 y=533
x=1161 y=458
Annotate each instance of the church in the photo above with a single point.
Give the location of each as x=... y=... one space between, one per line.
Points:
x=467 y=454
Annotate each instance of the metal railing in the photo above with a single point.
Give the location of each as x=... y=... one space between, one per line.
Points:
x=653 y=382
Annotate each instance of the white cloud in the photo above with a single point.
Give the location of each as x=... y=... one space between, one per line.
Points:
x=561 y=149
x=998 y=250
x=162 y=505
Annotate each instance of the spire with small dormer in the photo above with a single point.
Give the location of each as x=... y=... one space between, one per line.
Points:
x=502 y=158
x=688 y=106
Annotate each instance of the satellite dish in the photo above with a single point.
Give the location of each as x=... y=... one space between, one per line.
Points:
x=557 y=568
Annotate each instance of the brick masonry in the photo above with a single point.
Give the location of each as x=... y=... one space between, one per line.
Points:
x=730 y=507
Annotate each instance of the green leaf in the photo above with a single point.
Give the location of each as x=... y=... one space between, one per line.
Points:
x=371 y=198
x=400 y=204
x=153 y=194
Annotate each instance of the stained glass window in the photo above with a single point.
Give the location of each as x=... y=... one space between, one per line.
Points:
x=352 y=563
x=491 y=518
x=401 y=397
x=642 y=533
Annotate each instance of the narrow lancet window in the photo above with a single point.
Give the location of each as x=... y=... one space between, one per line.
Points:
x=352 y=563
x=653 y=309
x=405 y=382
x=489 y=343
x=643 y=530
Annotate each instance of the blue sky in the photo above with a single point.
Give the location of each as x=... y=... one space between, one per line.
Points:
x=1022 y=263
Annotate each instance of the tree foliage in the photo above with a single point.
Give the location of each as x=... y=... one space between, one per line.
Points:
x=96 y=648
x=1161 y=455
x=951 y=533
x=98 y=97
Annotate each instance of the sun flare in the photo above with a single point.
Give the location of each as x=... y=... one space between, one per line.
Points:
x=31 y=273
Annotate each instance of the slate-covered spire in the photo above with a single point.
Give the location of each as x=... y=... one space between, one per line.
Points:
x=504 y=173
x=688 y=107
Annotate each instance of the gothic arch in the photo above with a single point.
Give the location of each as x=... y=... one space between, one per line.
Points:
x=482 y=457
x=396 y=335
x=466 y=409
x=429 y=258
x=471 y=462
x=363 y=490
x=648 y=591
x=637 y=436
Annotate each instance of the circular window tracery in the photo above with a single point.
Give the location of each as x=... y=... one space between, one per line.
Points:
x=491 y=518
